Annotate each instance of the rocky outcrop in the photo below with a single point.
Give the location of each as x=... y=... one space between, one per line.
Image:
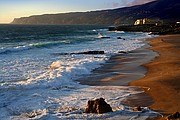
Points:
x=98 y=106
x=175 y=116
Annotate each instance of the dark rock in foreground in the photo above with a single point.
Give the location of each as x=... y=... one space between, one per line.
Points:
x=98 y=106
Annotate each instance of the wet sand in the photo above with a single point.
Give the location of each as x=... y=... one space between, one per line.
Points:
x=163 y=76
x=120 y=69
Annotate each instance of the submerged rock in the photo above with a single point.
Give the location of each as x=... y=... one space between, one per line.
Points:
x=98 y=106
x=119 y=38
x=104 y=37
x=123 y=52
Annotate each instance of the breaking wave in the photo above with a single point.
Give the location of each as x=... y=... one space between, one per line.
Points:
x=32 y=46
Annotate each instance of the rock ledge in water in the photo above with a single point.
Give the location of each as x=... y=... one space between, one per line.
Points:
x=98 y=106
x=91 y=52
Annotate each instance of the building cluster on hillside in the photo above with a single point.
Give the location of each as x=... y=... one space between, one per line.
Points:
x=148 y=21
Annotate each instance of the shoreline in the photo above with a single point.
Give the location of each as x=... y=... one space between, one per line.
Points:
x=163 y=75
x=121 y=69
x=149 y=61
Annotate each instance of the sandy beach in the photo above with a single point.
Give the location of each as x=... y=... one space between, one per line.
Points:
x=163 y=76
x=158 y=74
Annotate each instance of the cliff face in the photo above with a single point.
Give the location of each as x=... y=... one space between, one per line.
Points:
x=166 y=10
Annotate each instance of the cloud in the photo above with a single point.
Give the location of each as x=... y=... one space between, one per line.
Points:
x=138 y=2
x=115 y=4
x=122 y=3
x=126 y=3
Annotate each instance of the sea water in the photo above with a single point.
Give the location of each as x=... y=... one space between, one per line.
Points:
x=38 y=71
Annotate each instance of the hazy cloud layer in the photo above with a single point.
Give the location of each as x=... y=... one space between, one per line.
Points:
x=138 y=2
x=122 y=3
x=126 y=3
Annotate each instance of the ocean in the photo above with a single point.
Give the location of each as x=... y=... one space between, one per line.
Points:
x=39 y=73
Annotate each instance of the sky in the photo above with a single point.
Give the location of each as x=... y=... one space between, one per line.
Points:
x=10 y=9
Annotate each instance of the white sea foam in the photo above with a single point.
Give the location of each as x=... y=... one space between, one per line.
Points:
x=119 y=31
x=70 y=102
x=39 y=85
x=28 y=69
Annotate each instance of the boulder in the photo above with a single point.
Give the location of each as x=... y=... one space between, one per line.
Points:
x=98 y=106
x=137 y=108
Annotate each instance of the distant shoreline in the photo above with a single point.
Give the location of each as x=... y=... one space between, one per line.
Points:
x=161 y=29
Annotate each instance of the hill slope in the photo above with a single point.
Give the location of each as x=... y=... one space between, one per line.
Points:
x=166 y=10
